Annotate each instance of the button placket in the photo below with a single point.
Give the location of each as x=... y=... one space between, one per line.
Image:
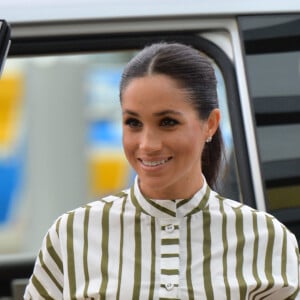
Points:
x=169 y=258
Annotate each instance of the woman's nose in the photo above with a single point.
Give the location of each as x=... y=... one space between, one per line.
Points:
x=150 y=140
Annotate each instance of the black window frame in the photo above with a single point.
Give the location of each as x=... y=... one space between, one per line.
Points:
x=4 y=42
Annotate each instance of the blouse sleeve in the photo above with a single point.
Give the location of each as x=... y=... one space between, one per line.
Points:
x=288 y=285
x=46 y=281
x=294 y=264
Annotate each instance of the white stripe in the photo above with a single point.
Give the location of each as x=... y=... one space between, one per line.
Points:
x=146 y=256
x=197 y=255
x=261 y=255
x=248 y=252
x=94 y=247
x=232 y=244
x=128 y=254
x=78 y=252
x=217 y=252
x=113 y=251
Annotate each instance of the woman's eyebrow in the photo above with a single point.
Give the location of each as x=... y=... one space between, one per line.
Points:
x=156 y=114
x=130 y=112
x=167 y=112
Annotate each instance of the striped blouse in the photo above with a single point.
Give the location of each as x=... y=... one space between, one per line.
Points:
x=128 y=247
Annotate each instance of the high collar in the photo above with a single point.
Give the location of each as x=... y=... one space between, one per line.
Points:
x=170 y=208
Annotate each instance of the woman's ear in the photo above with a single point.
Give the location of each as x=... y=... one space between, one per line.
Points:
x=213 y=121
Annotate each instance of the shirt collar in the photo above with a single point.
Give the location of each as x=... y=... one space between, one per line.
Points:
x=170 y=208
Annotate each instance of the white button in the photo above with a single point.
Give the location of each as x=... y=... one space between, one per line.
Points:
x=169 y=286
x=170 y=228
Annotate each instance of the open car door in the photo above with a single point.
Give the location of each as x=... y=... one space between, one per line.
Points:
x=4 y=42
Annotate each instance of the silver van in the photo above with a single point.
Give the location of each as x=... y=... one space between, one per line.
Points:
x=60 y=143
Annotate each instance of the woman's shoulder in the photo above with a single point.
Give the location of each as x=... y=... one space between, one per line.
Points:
x=230 y=205
x=245 y=210
x=262 y=220
x=95 y=206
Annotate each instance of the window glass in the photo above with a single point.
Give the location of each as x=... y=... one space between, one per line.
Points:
x=60 y=141
x=273 y=67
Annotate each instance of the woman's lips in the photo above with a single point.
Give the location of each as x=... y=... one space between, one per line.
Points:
x=154 y=163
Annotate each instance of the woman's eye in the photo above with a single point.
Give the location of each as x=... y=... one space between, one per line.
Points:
x=168 y=122
x=133 y=123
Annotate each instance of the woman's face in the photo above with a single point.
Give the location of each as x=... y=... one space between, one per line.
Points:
x=163 y=137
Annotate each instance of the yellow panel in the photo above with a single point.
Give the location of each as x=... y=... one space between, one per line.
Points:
x=283 y=197
x=10 y=106
x=108 y=172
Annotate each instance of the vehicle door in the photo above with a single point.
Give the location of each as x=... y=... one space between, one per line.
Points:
x=63 y=144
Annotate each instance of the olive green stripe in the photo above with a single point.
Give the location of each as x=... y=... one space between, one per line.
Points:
x=53 y=254
x=225 y=248
x=121 y=194
x=168 y=255
x=40 y=288
x=162 y=298
x=170 y=242
x=255 y=250
x=189 y=260
x=161 y=208
x=153 y=256
x=169 y=271
x=255 y=257
x=270 y=247
x=152 y=203
x=182 y=202
x=85 y=249
x=46 y=269
x=104 y=249
x=269 y=256
x=202 y=203
x=239 y=227
x=121 y=248
x=70 y=259
x=135 y=202
x=137 y=256
x=284 y=259
x=207 y=255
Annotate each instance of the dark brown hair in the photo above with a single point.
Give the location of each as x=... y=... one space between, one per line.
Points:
x=194 y=73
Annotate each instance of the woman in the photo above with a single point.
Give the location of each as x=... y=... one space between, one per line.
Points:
x=169 y=236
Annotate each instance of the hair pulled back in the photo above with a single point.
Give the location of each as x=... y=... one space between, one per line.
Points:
x=194 y=74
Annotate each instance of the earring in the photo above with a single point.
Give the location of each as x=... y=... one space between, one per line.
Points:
x=208 y=140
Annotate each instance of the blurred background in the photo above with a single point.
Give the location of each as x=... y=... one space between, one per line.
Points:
x=60 y=140
x=60 y=126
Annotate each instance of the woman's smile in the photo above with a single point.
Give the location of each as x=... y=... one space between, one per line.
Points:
x=154 y=163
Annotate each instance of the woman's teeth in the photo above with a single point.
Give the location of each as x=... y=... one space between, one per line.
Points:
x=154 y=163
